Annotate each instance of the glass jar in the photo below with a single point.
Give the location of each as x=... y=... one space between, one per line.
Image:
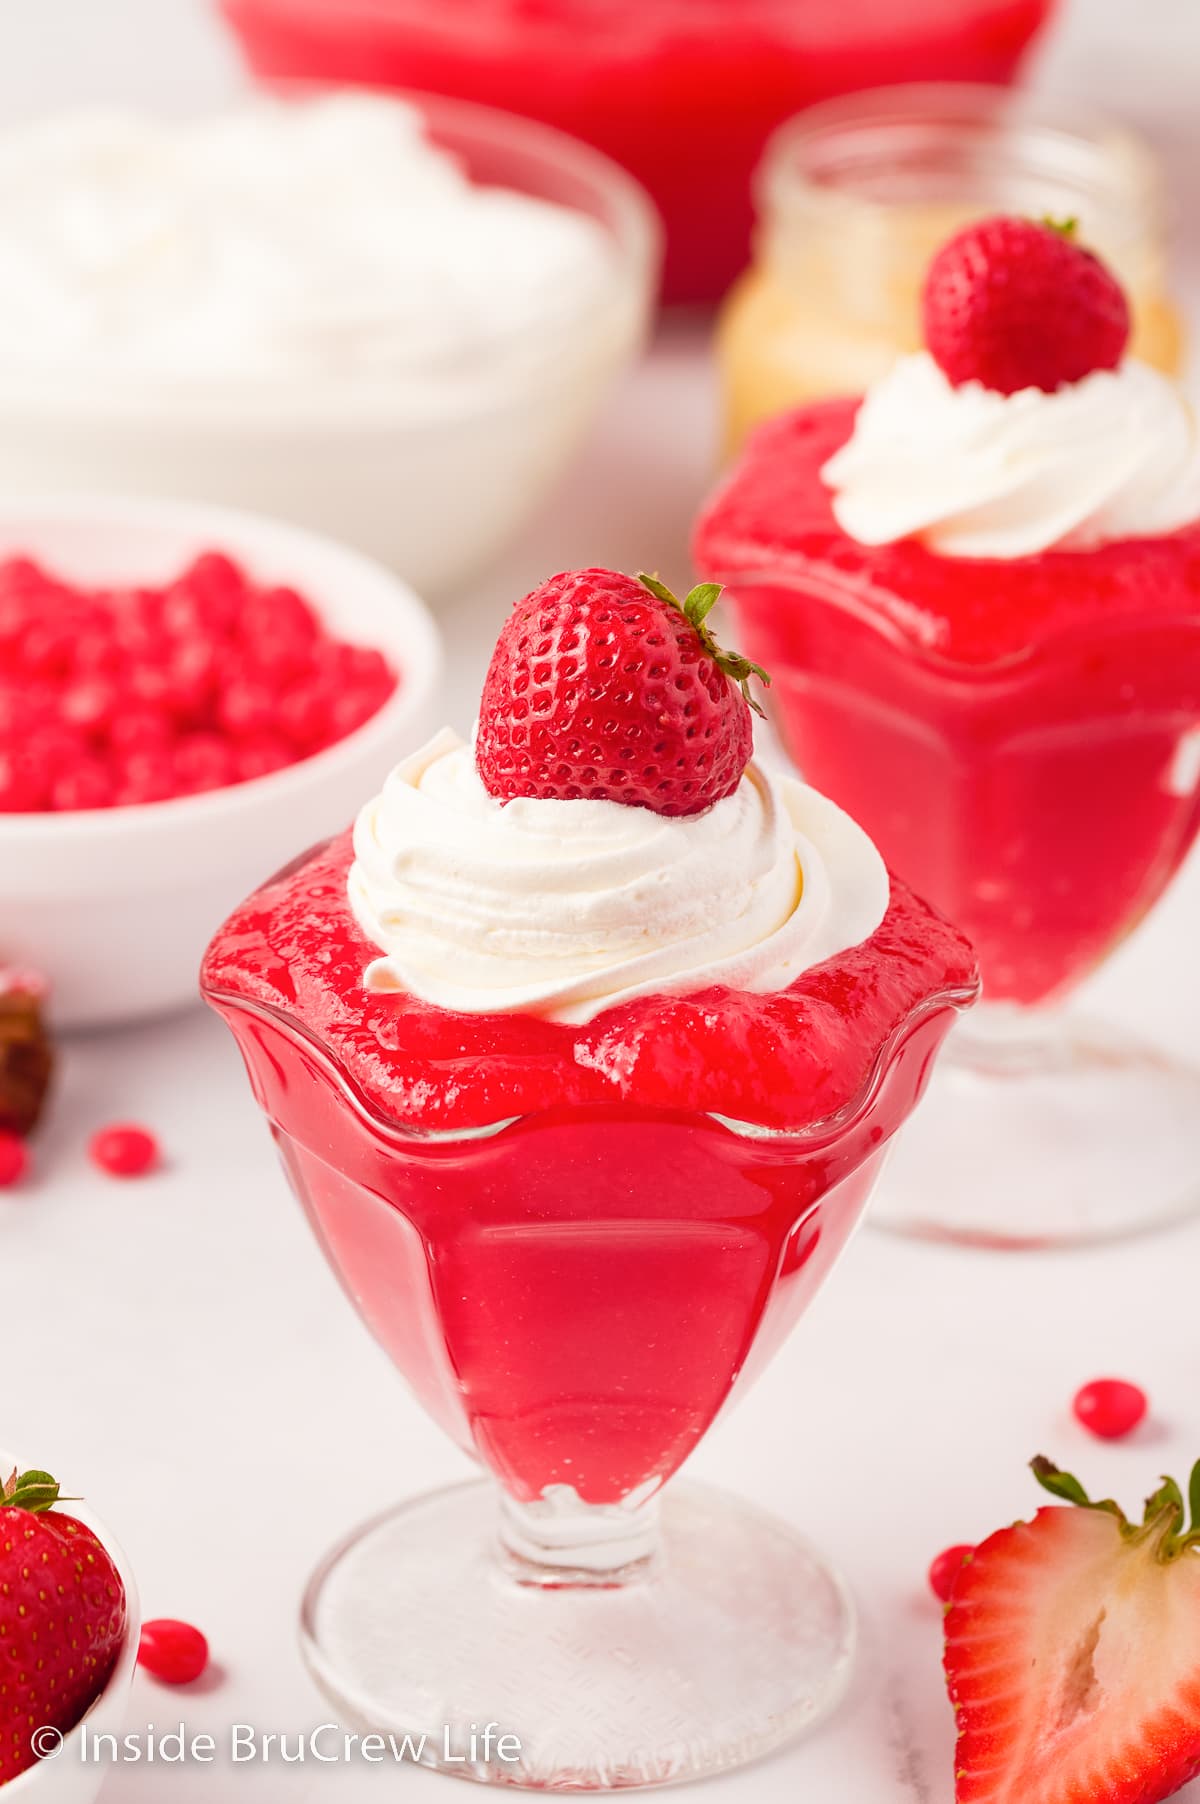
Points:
x=856 y=195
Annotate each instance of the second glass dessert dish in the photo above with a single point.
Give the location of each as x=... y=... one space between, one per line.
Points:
x=582 y=1054
x=978 y=592
x=855 y=196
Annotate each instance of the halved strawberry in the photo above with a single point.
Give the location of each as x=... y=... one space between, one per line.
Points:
x=1073 y=1653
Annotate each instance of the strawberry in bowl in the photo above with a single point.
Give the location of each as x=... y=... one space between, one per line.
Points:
x=1072 y=1652
x=68 y=1638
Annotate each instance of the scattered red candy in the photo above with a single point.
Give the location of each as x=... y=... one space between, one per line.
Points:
x=14 y=1160
x=945 y=1569
x=174 y=1652
x=124 y=1150
x=116 y=697
x=1109 y=1407
x=1014 y=303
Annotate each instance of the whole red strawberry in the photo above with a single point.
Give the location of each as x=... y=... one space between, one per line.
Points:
x=1073 y=1653
x=1016 y=304
x=63 y=1617
x=607 y=687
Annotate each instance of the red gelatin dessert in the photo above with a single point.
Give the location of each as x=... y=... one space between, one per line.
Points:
x=978 y=592
x=684 y=93
x=582 y=1053
x=535 y=1269
x=985 y=642
x=1018 y=736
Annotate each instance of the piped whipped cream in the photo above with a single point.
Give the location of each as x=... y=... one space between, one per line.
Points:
x=324 y=237
x=974 y=473
x=565 y=908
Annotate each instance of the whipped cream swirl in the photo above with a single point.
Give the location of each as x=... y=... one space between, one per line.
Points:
x=564 y=909
x=974 y=473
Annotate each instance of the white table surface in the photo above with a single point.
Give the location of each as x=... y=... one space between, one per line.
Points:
x=178 y=1348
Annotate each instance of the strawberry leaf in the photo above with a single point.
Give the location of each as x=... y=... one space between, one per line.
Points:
x=32 y=1491
x=700 y=602
x=1164 y=1522
x=1068 y=1487
x=1168 y=1499
x=695 y=609
x=1059 y=1484
x=1194 y=1497
x=658 y=589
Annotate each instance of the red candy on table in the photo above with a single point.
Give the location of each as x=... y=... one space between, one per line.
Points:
x=1109 y=1407
x=945 y=1568
x=111 y=698
x=14 y=1160
x=173 y=1651
x=124 y=1150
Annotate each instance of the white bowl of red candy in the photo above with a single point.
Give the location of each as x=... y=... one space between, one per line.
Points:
x=187 y=694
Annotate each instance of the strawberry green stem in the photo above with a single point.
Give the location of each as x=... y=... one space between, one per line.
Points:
x=695 y=607
x=32 y=1491
x=1165 y=1517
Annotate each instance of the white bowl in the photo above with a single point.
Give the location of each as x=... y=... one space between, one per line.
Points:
x=430 y=471
x=67 y=1778
x=115 y=906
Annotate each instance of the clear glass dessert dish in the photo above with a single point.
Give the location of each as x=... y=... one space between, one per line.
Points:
x=855 y=195
x=234 y=341
x=1021 y=737
x=576 y=1271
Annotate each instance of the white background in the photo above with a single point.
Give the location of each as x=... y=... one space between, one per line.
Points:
x=178 y=1350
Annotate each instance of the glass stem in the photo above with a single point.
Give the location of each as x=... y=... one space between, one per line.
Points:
x=559 y=1539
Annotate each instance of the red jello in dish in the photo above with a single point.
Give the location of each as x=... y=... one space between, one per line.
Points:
x=572 y=1239
x=581 y=1145
x=1018 y=735
x=979 y=593
x=684 y=93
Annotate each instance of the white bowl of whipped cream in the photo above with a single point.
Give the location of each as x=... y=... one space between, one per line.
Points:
x=114 y=906
x=388 y=319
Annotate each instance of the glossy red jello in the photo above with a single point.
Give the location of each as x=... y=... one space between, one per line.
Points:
x=1018 y=736
x=574 y=1240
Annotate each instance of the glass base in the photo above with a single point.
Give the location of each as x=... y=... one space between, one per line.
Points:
x=721 y=1636
x=1042 y=1130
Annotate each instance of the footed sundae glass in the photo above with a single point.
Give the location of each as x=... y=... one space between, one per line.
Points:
x=982 y=614
x=578 y=1234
